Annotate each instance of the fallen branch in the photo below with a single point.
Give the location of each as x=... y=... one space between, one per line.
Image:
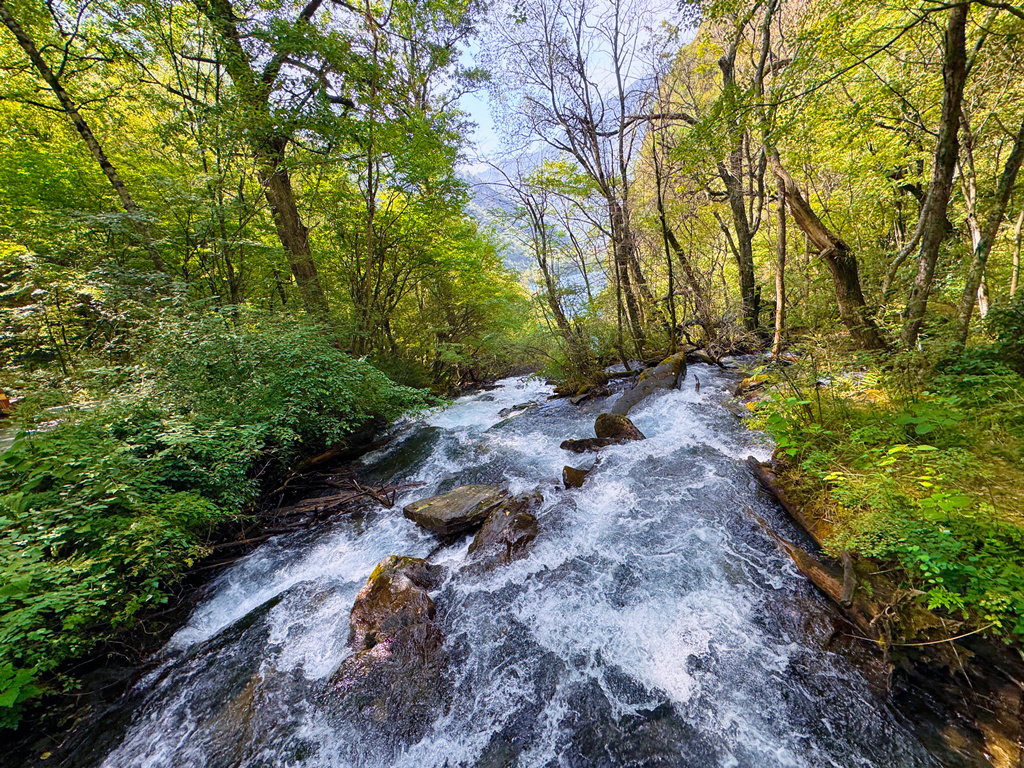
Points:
x=828 y=579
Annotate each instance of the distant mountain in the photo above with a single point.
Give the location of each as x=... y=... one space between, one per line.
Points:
x=490 y=205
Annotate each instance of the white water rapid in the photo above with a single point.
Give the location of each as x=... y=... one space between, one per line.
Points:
x=652 y=624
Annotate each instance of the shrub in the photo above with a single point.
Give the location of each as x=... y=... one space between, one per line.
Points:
x=99 y=514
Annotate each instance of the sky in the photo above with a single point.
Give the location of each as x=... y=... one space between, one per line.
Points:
x=477 y=106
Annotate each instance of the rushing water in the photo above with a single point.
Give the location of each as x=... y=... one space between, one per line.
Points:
x=652 y=624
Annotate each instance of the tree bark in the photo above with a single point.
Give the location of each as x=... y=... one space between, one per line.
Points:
x=933 y=212
x=668 y=253
x=71 y=110
x=983 y=247
x=1018 y=229
x=622 y=254
x=780 y=276
x=837 y=255
x=269 y=148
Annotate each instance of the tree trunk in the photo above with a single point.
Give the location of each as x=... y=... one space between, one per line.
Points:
x=293 y=233
x=674 y=330
x=269 y=151
x=933 y=212
x=72 y=111
x=622 y=247
x=744 y=250
x=841 y=262
x=780 y=276
x=983 y=246
x=732 y=176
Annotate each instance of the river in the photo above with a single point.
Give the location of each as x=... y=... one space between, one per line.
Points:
x=652 y=624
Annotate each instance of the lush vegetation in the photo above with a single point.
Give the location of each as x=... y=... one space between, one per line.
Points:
x=102 y=509
x=835 y=185
x=234 y=232
x=227 y=231
x=927 y=474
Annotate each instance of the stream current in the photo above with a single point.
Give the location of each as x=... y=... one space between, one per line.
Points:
x=652 y=624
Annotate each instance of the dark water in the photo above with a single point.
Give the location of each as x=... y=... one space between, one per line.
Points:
x=653 y=624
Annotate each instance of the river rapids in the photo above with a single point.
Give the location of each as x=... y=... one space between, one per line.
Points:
x=652 y=624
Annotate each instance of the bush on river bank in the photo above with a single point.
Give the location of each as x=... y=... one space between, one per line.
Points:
x=105 y=509
x=918 y=464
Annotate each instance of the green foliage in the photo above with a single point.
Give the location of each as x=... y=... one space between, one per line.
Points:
x=102 y=510
x=930 y=479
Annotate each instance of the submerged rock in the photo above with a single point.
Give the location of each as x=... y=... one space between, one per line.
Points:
x=457 y=511
x=394 y=681
x=573 y=478
x=611 y=429
x=508 y=532
x=517 y=409
x=617 y=426
x=666 y=375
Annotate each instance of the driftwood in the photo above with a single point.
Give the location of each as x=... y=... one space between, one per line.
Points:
x=838 y=582
x=341 y=452
x=384 y=495
x=849 y=579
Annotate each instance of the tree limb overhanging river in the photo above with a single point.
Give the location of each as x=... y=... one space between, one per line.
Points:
x=652 y=624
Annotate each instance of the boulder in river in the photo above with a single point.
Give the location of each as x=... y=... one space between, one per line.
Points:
x=618 y=426
x=666 y=375
x=590 y=444
x=515 y=410
x=508 y=532
x=394 y=681
x=395 y=596
x=457 y=511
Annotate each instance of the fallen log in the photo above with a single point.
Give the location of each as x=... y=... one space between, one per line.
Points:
x=384 y=495
x=766 y=478
x=862 y=613
x=849 y=579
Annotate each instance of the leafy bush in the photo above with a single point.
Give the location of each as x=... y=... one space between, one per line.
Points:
x=930 y=478
x=100 y=513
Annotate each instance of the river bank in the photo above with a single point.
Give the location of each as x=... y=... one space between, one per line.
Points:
x=911 y=514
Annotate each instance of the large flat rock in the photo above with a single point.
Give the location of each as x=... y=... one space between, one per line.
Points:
x=458 y=511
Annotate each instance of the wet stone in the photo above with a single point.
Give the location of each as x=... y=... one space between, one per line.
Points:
x=461 y=509
x=393 y=686
x=573 y=478
x=616 y=425
x=507 y=534
x=590 y=444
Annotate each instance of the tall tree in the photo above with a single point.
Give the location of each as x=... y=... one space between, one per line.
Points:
x=780 y=275
x=842 y=263
x=269 y=137
x=932 y=220
x=72 y=110
x=568 y=71
x=982 y=238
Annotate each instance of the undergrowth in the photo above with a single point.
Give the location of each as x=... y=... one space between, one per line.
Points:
x=915 y=462
x=112 y=500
